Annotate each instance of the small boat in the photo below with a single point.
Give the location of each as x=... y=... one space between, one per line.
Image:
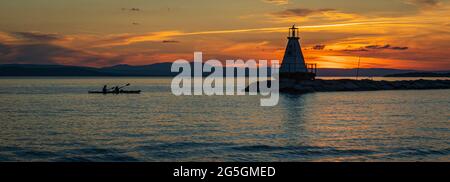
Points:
x=120 y=92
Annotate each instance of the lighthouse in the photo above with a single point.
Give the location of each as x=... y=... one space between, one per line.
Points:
x=294 y=65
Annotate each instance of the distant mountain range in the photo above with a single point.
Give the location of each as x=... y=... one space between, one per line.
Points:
x=159 y=69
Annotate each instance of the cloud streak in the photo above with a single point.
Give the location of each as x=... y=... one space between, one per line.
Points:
x=300 y=12
x=319 y=47
x=424 y=4
x=170 y=41
x=387 y=46
x=43 y=53
x=277 y=2
x=131 y=9
x=164 y=35
x=36 y=36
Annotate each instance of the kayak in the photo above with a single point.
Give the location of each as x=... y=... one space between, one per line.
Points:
x=121 y=92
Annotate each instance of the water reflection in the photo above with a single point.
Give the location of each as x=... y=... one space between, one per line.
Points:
x=55 y=120
x=293 y=118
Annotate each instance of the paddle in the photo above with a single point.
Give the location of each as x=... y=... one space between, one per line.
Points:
x=126 y=85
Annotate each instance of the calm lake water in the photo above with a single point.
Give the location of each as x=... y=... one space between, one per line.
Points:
x=54 y=119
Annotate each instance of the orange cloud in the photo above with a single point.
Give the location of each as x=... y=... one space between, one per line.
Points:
x=277 y=2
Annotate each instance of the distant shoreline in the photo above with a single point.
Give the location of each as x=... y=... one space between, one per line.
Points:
x=164 y=70
x=420 y=74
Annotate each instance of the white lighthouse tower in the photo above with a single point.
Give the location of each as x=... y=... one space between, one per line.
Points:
x=293 y=65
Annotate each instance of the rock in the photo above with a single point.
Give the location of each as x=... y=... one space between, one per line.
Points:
x=307 y=86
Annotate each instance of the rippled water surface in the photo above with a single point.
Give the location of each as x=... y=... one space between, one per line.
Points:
x=54 y=119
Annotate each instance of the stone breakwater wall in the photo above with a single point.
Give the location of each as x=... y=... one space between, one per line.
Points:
x=308 y=86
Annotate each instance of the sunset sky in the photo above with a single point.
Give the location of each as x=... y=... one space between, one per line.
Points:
x=401 y=34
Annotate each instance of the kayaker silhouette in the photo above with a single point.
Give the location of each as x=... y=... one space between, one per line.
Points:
x=105 y=89
x=116 y=89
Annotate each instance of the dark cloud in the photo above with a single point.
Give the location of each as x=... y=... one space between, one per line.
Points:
x=399 y=48
x=319 y=47
x=131 y=9
x=35 y=54
x=170 y=41
x=378 y=46
x=356 y=50
x=36 y=36
x=4 y=49
x=425 y=3
x=300 y=12
x=387 y=46
x=375 y=47
x=43 y=53
x=135 y=23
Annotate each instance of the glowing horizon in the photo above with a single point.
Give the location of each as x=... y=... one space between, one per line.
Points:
x=398 y=34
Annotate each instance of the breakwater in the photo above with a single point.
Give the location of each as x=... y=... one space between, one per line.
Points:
x=308 y=86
